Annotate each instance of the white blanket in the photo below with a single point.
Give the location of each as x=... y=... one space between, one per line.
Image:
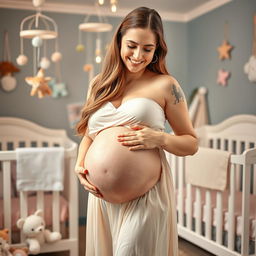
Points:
x=40 y=169
x=208 y=168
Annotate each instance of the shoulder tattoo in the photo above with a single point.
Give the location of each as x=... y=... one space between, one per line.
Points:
x=178 y=94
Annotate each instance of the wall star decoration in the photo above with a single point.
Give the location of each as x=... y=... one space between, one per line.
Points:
x=39 y=84
x=223 y=76
x=225 y=50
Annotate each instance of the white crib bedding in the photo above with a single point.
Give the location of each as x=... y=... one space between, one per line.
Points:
x=238 y=200
x=15 y=204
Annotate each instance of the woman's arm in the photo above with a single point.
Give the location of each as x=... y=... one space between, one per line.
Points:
x=82 y=150
x=184 y=141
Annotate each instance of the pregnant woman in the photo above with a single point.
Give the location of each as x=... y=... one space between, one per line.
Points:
x=121 y=162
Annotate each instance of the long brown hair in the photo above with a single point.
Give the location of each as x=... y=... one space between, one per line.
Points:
x=110 y=83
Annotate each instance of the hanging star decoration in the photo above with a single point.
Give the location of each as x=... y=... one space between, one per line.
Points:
x=223 y=76
x=39 y=84
x=58 y=89
x=225 y=50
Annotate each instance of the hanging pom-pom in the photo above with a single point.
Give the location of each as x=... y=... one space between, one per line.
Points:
x=87 y=67
x=22 y=60
x=37 y=41
x=80 y=48
x=45 y=63
x=38 y=3
x=8 y=83
x=56 y=56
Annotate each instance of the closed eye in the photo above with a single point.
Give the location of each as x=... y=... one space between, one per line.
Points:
x=133 y=47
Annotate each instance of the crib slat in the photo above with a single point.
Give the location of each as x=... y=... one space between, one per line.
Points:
x=7 y=195
x=56 y=210
x=198 y=212
x=180 y=191
x=231 y=209
x=23 y=209
x=189 y=206
x=219 y=218
x=238 y=174
x=73 y=194
x=245 y=209
x=40 y=201
x=208 y=214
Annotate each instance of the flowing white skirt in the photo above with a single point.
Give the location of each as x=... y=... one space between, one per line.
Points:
x=146 y=226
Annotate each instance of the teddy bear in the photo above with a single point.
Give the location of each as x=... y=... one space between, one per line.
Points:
x=19 y=251
x=4 y=246
x=33 y=227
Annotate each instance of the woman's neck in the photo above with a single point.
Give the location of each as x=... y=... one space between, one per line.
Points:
x=129 y=76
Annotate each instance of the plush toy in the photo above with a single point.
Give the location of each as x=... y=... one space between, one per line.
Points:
x=250 y=68
x=39 y=84
x=33 y=227
x=4 y=246
x=19 y=251
x=58 y=89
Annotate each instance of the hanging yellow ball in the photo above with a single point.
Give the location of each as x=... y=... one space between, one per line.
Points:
x=80 y=47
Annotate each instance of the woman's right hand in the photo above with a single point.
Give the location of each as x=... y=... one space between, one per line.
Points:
x=81 y=172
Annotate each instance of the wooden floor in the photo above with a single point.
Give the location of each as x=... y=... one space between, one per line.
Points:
x=185 y=248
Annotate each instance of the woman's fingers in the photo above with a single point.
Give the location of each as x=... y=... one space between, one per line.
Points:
x=81 y=173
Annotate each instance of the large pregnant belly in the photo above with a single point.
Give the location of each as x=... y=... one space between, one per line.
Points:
x=120 y=174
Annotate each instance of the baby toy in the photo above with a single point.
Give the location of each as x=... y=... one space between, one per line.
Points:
x=33 y=227
x=4 y=246
x=39 y=84
x=19 y=251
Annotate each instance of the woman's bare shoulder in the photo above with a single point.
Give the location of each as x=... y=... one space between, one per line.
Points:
x=165 y=82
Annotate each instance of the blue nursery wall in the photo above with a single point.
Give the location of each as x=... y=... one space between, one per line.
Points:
x=205 y=35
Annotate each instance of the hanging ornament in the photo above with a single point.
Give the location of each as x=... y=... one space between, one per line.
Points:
x=58 y=89
x=80 y=48
x=223 y=76
x=225 y=49
x=250 y=66
x=8 y=82
x=45 y=63
x=39 y=29
x=39 y=84
x=56 y=57
x=22 y=60
x=37 y=41
x=98 y=57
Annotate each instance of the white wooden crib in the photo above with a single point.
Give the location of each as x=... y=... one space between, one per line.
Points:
x=15 y=132
x=209 y=218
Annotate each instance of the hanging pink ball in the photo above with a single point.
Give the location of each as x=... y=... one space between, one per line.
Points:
x=8 y=83
x=22 y=60
x=45 y=63
x=56 y=56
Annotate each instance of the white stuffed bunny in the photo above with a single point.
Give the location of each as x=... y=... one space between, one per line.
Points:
x=33 y=227
x=250 y=68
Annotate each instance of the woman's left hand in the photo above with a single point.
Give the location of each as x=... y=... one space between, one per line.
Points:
x=141 y=137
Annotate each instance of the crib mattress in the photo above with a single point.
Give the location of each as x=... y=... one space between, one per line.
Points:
x=15 y=204
x=238 y=209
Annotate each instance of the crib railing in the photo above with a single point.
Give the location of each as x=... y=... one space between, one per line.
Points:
x=72 y=194
x=242 y=173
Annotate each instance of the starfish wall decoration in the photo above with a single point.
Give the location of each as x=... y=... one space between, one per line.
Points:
x=225 y=50
x=39 y=84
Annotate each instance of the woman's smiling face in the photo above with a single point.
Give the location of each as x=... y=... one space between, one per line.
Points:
x=137 y=48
